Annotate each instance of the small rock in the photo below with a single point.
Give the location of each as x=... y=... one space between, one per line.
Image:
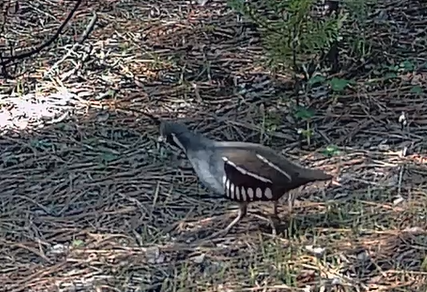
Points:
x=199 y=259
x=315 y=250
x=398 y=200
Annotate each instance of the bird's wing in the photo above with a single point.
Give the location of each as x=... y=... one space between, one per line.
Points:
x=252 y=163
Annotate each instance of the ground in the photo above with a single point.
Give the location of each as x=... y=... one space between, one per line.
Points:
x=91 y=202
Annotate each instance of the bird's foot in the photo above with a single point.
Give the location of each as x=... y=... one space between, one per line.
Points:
x=225 y=231
x=275 y=223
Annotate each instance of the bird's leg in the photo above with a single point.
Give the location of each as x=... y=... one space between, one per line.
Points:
x=242 y=213
x=291 y=202
x=275 y=209
x=243 y=208
x=274 y=220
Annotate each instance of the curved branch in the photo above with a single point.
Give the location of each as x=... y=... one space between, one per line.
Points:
x=6 y=60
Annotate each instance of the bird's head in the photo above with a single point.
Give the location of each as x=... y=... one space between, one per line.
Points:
x=178 y=135
x=173 y=134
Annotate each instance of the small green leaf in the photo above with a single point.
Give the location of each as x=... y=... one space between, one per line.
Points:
x=40 y=144
x=338 y=84
x=331 y=150
x=107 y=157
x=316 y=79
x=307 y=133
x=416 y=89
x=407 y=66
x=77 y=243
x=390 y=75
x=393 y=68
x=303 y=113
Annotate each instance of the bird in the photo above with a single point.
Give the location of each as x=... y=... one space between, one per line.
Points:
x=243 y=172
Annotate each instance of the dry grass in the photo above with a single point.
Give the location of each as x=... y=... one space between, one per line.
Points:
x=89 y=202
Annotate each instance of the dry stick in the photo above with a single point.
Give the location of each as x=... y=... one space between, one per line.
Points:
x=153 y=118
x=6 y=60
x=80 y=41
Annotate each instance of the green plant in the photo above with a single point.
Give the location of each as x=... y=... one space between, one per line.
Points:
x=298 y=41
x=336 y=84
x=331 y=150
x=358 y=40
x=292 y=37
x=304 y=114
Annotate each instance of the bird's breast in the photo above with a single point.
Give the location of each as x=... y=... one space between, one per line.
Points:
x=210 y=174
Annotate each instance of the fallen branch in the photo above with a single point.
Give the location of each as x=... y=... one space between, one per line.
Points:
x=4 y=61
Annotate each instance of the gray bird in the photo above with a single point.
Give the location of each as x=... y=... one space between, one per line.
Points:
x=243 y=172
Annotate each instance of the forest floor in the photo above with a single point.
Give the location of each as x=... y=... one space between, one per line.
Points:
x=91 y=202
